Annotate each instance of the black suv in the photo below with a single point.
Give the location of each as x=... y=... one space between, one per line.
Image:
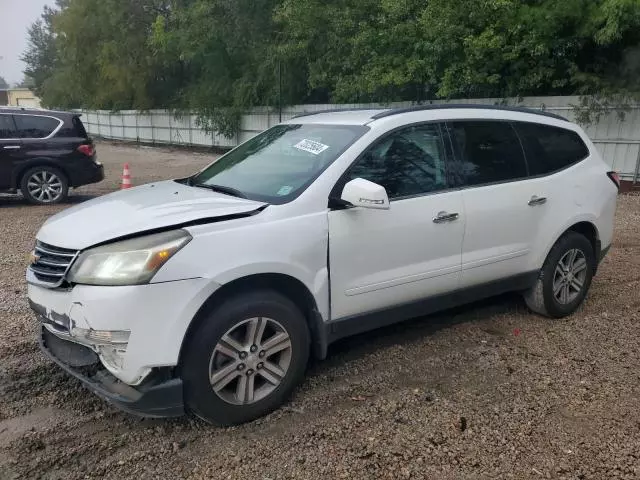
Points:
x=43 y=153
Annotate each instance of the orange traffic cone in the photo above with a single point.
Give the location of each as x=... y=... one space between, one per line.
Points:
x=126 y=177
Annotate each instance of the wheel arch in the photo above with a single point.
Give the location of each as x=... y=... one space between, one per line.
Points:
x=590 y=231
x=290 y=287
x=585 y=227
x=37 y=162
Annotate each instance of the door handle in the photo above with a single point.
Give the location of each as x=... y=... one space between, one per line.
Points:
x=535 y=200
x=11 y=147
x=443 y=217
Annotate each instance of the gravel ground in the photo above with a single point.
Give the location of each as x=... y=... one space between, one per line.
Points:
x=485 y=391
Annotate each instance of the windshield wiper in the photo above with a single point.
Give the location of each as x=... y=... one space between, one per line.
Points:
x=222 y=189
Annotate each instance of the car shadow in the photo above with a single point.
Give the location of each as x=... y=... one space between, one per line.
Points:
x=9 y=201
x=416 y=329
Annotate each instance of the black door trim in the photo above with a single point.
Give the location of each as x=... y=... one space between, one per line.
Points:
x=352 y=325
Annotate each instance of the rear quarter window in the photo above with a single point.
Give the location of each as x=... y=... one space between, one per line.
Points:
x=33 y=126
x=72 y=128
x=549 y=149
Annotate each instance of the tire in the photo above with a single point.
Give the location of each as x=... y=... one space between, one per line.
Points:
x=54 y=185
x=542 y=299
x=206 y=358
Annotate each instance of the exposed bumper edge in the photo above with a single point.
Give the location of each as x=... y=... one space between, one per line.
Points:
x=603 y=253
x=158 y=399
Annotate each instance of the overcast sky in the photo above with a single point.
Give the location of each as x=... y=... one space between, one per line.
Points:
x=15 y=18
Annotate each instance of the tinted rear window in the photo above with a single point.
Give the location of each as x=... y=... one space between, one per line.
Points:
x=72 y=129
x=7 y=128
x=550 y=149
x=32 y=126
x=77 y=123
x=485 y=152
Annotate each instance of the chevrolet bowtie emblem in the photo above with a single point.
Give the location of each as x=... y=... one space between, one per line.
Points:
x=33 y=258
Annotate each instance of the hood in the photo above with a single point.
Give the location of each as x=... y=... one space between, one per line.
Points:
x=148 y=207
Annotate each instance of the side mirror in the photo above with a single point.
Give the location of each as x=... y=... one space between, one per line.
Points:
x=363 y=193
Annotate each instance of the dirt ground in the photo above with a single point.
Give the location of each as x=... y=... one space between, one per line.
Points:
x=485 y=391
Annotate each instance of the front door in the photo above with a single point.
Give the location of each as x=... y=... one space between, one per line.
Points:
x=384 y=258
x=9 y=149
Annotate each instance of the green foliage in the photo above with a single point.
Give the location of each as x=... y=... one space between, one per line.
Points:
x=40 y=55
x=220 y=57
x=3 y=83
x=26 y=82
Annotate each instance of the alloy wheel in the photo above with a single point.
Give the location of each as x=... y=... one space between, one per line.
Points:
x=44 y=186
x=569 y=276
x=250 y=361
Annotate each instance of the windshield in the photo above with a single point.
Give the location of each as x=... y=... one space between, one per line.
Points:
x=280 y=163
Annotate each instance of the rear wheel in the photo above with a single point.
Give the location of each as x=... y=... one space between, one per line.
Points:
x=565 y=277
x=44 y=185
x=245 y=358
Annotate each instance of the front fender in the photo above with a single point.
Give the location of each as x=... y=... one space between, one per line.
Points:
x=227 y=251
x=316 y=282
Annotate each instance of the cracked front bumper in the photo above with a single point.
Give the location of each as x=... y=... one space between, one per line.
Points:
x=156 y=315
x=158 y=396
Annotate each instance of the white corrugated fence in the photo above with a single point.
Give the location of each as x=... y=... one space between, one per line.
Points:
x=618 y=140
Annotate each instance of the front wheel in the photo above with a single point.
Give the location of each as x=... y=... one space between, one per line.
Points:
x=245 y=358
x=565 y=277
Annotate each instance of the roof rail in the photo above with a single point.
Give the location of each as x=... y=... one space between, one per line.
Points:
x=335 y=110
x=17 y=107
x=417 y=108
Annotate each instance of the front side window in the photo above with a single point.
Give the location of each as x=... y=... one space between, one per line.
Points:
x=550 y=149
x=32 y=126
x=486 y=152
x=7 y=127
x=410 y=161
x=280 y=163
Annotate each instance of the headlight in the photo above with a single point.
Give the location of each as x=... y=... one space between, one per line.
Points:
x=129 y=262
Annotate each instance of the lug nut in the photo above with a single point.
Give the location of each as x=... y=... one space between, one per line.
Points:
x=261 y=354
x=253 y=348
x=260 y=365
x=243 y=355
x=241 y=366
x=249 y=372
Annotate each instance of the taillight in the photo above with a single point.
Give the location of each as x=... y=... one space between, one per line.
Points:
x=615 y=178
x=86 y=150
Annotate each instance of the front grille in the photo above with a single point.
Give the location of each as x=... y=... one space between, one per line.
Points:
x=51 y=263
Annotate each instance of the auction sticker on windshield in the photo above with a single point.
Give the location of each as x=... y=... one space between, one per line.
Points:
x=311 y=146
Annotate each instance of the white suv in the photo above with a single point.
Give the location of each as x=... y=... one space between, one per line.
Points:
x=209 y=293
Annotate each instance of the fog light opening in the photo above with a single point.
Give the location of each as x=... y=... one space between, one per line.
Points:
x=119 y=338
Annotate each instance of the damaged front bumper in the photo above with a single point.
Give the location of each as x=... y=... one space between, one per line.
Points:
x=158 y=396
x=123 y=343
x=133 y=329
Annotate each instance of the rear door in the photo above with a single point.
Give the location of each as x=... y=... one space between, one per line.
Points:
x=36 y=133
x=504 y=207
x=10 y=147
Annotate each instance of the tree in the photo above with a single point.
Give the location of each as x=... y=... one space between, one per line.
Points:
x=3 y=83
x=221 y=52
x=415 y=50
x=26 y=82
x=40 y=55
x=221 y=57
